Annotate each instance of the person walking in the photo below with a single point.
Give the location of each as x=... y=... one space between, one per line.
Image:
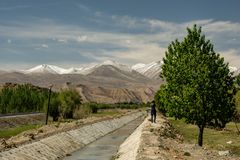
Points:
x=153 y=112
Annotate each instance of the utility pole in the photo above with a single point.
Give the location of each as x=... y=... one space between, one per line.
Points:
x=49 y=96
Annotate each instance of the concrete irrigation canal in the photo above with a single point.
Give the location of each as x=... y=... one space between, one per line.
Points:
x=95 y=141
x=106 y=147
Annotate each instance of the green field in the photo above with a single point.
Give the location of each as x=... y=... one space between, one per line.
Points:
x=213 y=139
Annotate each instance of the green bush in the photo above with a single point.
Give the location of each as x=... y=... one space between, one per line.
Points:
x=70 y=100
x=94 y=107
x=82 y=112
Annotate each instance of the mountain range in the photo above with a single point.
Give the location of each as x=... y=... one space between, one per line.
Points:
x=150 y=70
x=107 y=82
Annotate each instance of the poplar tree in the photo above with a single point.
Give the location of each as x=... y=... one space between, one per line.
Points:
x=199 y=85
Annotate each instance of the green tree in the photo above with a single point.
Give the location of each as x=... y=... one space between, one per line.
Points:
x=199 y=84
x=70 y=100
x=6 y=94
x=160 y=99
x=22 y=98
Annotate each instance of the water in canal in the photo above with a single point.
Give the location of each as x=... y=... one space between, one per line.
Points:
x=106 y=147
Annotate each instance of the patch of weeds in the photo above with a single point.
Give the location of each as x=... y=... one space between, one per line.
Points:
x=187 y=154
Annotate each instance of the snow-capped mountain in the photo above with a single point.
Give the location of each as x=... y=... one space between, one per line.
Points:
x=151 y=70
x=117 y=65
x=44 y=68
x=90 y=68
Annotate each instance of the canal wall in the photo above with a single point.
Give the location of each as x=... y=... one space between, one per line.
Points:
x=61 y=144
x=129 y=148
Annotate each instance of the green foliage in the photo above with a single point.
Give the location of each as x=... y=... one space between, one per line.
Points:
x=29 y=98
x=94 y=107
x=6 y=94
x=22 y=98
x=160 y=99
x=238 y=80
x=70 y=100
x=237 y=101
x=199 y=84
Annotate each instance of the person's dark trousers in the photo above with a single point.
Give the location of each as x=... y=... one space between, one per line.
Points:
x=153 y=117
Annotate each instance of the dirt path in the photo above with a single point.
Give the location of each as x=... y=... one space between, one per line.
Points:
x=160 y=141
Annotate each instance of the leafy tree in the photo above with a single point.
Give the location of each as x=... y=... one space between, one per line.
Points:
x=70 y=100
x=199 y=84
x=160 y=99
x=5 y=94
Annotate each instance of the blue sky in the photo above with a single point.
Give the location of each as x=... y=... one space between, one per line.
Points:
x=69 y=33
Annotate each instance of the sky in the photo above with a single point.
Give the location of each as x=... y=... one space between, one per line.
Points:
x=71 y=33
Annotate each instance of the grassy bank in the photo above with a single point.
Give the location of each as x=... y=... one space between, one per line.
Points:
x=7 y=133
x=212 y=138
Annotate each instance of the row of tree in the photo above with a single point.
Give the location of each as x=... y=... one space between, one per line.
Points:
x=199 y=86
x=22 y=98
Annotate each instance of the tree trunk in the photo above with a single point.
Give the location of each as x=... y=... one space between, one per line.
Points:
x=200 y=135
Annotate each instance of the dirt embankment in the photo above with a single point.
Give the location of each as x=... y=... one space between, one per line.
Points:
x=160 y=141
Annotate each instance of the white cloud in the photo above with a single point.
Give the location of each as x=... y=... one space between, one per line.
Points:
x=62 y=40
x=83 y=7
x=144 y=53
x=146 y=46
x=82 y=38
x=157 y=24
x=9 y=41
x=126 y=21
x=98 y=14
x=232 y=56
x=128 y=41
x=222 y=26
x=44 y=45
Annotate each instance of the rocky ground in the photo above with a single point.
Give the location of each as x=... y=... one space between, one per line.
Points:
x=160 y=141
